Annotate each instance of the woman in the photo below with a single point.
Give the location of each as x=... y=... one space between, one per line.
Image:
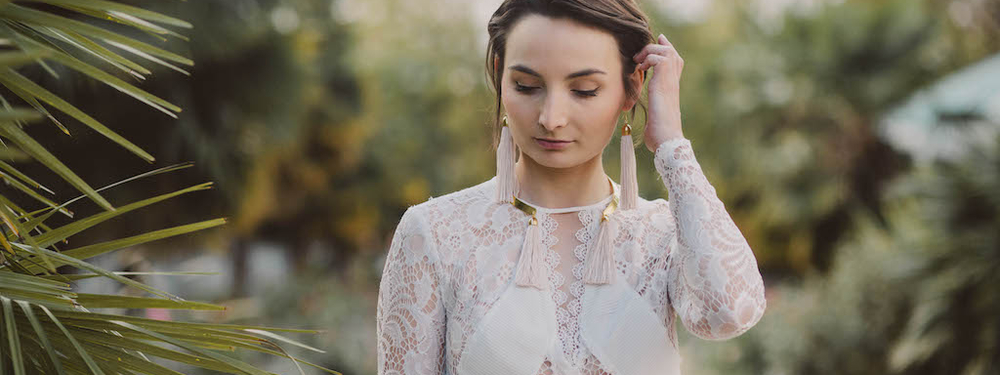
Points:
x=552 y=267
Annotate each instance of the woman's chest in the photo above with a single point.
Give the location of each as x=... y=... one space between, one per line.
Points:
x=486 y=311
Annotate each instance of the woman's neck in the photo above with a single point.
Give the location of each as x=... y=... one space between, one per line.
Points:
x=580 y=185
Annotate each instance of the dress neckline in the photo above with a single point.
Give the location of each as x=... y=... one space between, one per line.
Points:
x=596 y=205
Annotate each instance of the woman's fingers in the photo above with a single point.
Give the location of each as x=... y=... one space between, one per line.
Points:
x=662 y=47
x=663 y=40
x=651 y=61
x=657 y=49
x=654 y=53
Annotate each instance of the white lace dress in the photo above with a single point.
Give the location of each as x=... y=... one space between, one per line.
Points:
x=447 y=302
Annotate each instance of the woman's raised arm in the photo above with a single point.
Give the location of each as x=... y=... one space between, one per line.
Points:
x=713 y=280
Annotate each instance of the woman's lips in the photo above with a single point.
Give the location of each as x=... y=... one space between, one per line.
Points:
x=552 y=144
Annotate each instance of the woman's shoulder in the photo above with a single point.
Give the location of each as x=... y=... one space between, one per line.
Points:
x=653 y=205
x=653 y=212
x=434 y=210
x=437 y=218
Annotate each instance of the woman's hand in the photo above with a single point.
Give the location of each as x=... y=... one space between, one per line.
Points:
x=663 y=120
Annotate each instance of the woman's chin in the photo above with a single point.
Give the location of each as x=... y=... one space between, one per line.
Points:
x=555 y=159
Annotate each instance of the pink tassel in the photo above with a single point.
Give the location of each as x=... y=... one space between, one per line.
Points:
x=600 y=267
x=630 y=185
x=531 y=269
x=506 y=180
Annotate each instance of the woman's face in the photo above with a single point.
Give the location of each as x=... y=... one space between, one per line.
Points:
x=562 y=90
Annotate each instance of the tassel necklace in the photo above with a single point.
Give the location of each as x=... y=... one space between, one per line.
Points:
x=599 y=267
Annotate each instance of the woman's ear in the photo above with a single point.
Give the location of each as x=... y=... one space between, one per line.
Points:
x=636 y=80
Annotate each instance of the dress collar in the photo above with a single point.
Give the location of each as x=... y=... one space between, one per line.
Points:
x=603 y=203
x=599 y=268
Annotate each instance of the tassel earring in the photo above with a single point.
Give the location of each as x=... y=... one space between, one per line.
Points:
x=506 y=153
x=600 y=263
x=630 y=185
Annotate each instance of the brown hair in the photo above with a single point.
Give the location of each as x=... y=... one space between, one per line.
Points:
x=621 y=18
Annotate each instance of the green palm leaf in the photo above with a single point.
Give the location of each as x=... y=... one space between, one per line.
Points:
x=42 y=337
x=36 y=150
x=45 y=327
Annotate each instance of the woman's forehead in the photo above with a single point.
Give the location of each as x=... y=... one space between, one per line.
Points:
x=557 y=46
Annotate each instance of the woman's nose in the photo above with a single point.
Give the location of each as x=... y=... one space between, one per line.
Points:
x=554 y=112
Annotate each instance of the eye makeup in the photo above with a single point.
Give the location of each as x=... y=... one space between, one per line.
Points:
x=529 y=89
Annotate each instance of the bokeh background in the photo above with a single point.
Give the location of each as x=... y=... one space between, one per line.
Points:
x=855 y=144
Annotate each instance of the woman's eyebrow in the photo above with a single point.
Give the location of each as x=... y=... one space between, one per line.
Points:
x=585 y=72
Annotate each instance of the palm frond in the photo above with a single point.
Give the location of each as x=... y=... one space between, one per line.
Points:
x=46 y=327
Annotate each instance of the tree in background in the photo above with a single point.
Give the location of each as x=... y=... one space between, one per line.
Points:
x=916 y=296
x=909 y=287
x=271 y=108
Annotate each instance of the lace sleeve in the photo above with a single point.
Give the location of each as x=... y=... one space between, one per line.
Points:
x=713 y=280
x=410 y=315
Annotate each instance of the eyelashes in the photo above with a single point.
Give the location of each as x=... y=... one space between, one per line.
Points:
x=529 y=89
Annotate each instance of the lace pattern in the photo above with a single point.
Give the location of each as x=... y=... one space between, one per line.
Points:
x=452 y=256
x=714 y=278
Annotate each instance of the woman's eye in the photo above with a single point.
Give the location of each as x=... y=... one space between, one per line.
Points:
x=522 y=88
x=583 y=93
